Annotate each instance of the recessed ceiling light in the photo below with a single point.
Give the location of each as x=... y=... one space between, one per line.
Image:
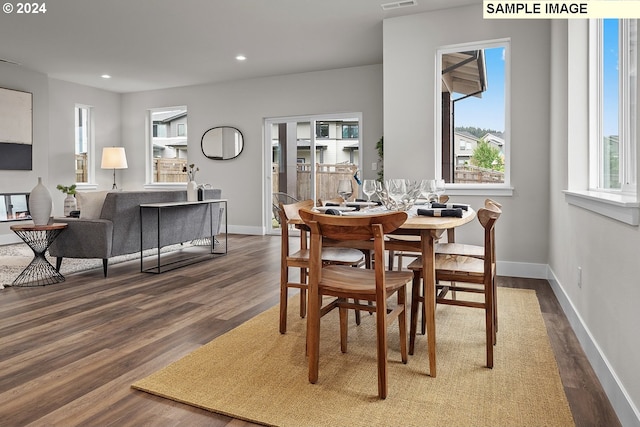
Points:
x=105 y=76
x=241 y=57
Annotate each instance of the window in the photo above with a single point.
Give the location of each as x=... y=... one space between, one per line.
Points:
x=83 y=144
x=609 y=186
x=322 y=130
x=168 y=145
x=613 y=105
x=472 y=115
x=349 y=131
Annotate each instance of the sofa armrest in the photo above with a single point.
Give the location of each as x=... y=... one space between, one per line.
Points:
x=83 y=238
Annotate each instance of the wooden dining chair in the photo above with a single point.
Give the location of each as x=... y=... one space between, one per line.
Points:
x=300 y=259
x=476 y=251
x=374 y=286
x=471 y=275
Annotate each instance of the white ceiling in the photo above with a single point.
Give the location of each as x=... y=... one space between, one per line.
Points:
x=155 y=44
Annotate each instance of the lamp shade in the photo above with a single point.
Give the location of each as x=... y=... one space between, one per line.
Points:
x=114 y=158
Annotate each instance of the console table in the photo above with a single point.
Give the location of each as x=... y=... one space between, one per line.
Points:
x=39 y=237
x=159 y=267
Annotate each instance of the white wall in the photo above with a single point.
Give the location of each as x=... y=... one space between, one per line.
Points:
x=18 y=78
x=604 y=311
x=410 y=45
x=244 y=105
x=63 y=97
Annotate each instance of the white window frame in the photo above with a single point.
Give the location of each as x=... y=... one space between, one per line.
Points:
x=501 y=189
x=620 y=204
x=90 y=184
x=150 y=184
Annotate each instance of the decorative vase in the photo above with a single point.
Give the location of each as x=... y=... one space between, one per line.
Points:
x=192 y=191
x=40 y=204
x=70 y=204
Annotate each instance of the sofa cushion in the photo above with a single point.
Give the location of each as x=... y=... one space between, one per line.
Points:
x=90 y=203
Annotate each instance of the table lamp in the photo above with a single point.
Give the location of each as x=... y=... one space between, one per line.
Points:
x=114 y=158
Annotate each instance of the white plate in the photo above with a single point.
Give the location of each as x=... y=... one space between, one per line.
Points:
x=338 y=208
x=362 y=203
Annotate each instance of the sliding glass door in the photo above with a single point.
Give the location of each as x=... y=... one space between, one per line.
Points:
x=305 y=156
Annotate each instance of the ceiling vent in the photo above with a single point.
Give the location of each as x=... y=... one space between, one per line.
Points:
x=399 y=4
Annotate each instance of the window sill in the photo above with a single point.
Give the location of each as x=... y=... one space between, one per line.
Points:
x=478 y=190
x=86 y=187
x=623 y=208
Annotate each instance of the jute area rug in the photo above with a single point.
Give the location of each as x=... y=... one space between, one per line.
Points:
x=256 y=374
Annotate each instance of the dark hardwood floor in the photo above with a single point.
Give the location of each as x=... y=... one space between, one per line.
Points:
x=69 y=352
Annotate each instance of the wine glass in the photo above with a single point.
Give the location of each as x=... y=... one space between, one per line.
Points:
x=369 y=188
x=345 y=189
x=397 y=188
x=428 y=189
x=439 y=187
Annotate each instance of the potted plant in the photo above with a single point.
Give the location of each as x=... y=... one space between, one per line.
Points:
x=70 y=201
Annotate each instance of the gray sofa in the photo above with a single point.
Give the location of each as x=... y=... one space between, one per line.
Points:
x=117 y=230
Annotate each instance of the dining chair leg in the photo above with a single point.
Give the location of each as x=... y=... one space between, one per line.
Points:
x=343 y=328
x=313 y=337
x=381 y=327
x=303 y=293
x=415 y=303
x=489 y=322
x=284 y=278
x=402 y=323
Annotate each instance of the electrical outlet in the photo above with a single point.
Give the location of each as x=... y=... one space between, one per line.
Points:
x=580 y=277
x=374 y=166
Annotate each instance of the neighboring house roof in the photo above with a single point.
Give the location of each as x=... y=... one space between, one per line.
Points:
x=466 y=134
x=169 y=116
x=492 y=138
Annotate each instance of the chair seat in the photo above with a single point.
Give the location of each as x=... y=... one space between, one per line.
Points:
x=360 y=282
x=459 y=265
x=460 y=249
x=346 y=256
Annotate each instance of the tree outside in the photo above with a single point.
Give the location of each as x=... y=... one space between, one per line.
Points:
x=487 y=157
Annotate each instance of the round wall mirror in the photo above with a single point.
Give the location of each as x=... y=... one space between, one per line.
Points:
x=222 y=143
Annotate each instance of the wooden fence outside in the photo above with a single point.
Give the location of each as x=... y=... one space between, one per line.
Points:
x=82 y=174
x=169 y=170
x=327 y=177
x=469 y=174
x=164 y=170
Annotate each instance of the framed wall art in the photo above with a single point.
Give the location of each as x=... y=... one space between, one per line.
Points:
x=16 y=129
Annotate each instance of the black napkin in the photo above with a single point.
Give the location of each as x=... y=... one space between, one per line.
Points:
x=441 y=212
x=350 y=205
x=449 y=206
x=332 y=211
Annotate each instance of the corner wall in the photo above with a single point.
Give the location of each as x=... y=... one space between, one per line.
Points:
x=410 y=45
x=603 y=311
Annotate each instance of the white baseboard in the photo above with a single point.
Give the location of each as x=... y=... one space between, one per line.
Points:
x=624 y=407
x=242 y=229
x=8 y=239
x=522 y=269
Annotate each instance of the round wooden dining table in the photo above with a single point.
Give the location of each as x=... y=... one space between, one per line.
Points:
x=429 y=229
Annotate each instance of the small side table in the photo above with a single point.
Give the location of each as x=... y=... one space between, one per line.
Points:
x=39 y=237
